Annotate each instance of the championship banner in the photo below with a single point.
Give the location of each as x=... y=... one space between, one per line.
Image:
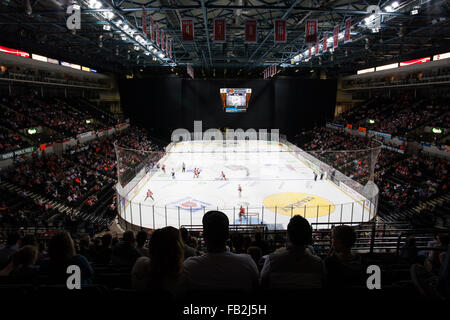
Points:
x=157 y=34
x=219 y=30
x=324 y=45
x=250 y=31
x=167 y=45
x=280 y=32
x=162 y=40
x=190 y=71
x=144 y=22
x=152 y=29
x=348 y=25
x=335 y=37
x=187 y=29
x=309 y=50
x=311 y=30
x=170 y=48
x=316 y=51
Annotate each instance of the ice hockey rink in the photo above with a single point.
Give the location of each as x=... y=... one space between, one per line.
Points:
x=276 y=183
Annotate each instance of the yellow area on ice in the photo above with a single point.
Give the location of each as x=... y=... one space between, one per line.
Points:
x=296 y=203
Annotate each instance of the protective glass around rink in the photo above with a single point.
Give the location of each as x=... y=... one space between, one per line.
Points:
x=265 y=183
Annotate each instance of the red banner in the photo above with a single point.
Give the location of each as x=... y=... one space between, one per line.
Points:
x=170 y=47
x=162 y=40
x=348 y=25
x=324 y=45
x=309 y=50
x=167 y=45
x=335 y=37
x=15 y=52
x=157 y=34
x=152 y=29
x=280 y=32
x=219 y=30
x=311 y=30
x=250 y=31
x=187 y=29
x=144 y=21
x=415 y=61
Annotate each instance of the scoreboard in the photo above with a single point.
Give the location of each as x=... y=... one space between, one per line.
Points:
x=235 y=99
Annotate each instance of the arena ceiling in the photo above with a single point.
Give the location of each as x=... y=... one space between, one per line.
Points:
x=409 y=29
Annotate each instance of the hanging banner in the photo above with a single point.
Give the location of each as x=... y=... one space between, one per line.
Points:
x=170 y=48
x=219 y=30
x=152 y=29
x=335 y=37
x=190 y=71
x=167 y=45
x=157 y=34
x=348 y=25
x=144 y=22
x=187 y=29
x=162 y=40
x=324 y=45
x=250 y=31
x=280 y=32
x=309 y=50
x=311 y=30
x=316 y=51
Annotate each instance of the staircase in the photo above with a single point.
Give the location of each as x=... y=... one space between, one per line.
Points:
x=36 y=197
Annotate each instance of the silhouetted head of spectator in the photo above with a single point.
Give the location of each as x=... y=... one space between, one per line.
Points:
x=255 y=253
x=84 y=242
x=299 y=231
x=26 y=256
x=28 y=239
x=141 y=238
x=128 y=237
x=215 y=230
x=443 y=239
x=12 y=239
x=61 y=247
x=166 y=252
x=184 y=235
x=97 y=242
x=410 y=241
x=343 y=237
x=107 y=240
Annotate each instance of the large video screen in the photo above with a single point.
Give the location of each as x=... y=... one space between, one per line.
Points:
x=235 y=99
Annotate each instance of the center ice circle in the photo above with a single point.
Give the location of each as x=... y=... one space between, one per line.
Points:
x=296 y=203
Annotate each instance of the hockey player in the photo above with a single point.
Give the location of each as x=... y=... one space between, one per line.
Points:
x=315 y=176
x=163 y=168
x=321 y=175
x=240 y=190
x=183 y=168
x=222 y=176
x=241 y=213
x=173 y=173
x=149 y=195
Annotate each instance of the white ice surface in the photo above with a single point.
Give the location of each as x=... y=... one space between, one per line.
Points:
x=260 y=169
